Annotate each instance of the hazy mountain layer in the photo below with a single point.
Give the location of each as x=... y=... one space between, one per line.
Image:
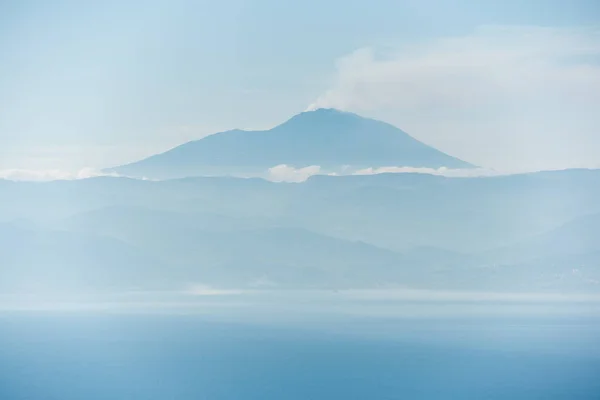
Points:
x=523 y=232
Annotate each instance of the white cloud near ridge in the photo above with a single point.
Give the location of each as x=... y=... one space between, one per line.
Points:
x=278 y=173
x=443 y=171
x=287 y=173
x=50 y=174
x=500 y=97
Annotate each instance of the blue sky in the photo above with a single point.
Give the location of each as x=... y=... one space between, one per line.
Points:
x=509 y=84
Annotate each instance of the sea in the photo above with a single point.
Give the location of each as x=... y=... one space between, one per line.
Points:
x=235 y=347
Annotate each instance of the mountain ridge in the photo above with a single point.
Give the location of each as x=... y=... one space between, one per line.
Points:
x=328 y=138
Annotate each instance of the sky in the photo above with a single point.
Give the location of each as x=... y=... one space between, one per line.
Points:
x=509 y=85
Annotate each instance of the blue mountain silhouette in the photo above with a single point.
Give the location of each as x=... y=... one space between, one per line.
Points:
x=326 y=137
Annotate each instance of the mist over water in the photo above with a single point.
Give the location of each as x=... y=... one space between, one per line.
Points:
x=300 y=345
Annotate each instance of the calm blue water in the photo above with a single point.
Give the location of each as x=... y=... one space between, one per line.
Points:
x=66 y=356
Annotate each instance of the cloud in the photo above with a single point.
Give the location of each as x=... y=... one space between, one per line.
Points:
x=511 y=95
x=50 y=175
x=443 y=171
x=278 y=173
x=206 y=290
x=286 y=173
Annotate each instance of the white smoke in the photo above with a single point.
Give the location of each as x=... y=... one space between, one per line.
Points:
x=503 y=96
x=493 y=64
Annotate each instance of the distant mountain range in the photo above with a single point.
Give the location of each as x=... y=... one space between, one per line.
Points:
x=531 y=232
x=328 y=138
